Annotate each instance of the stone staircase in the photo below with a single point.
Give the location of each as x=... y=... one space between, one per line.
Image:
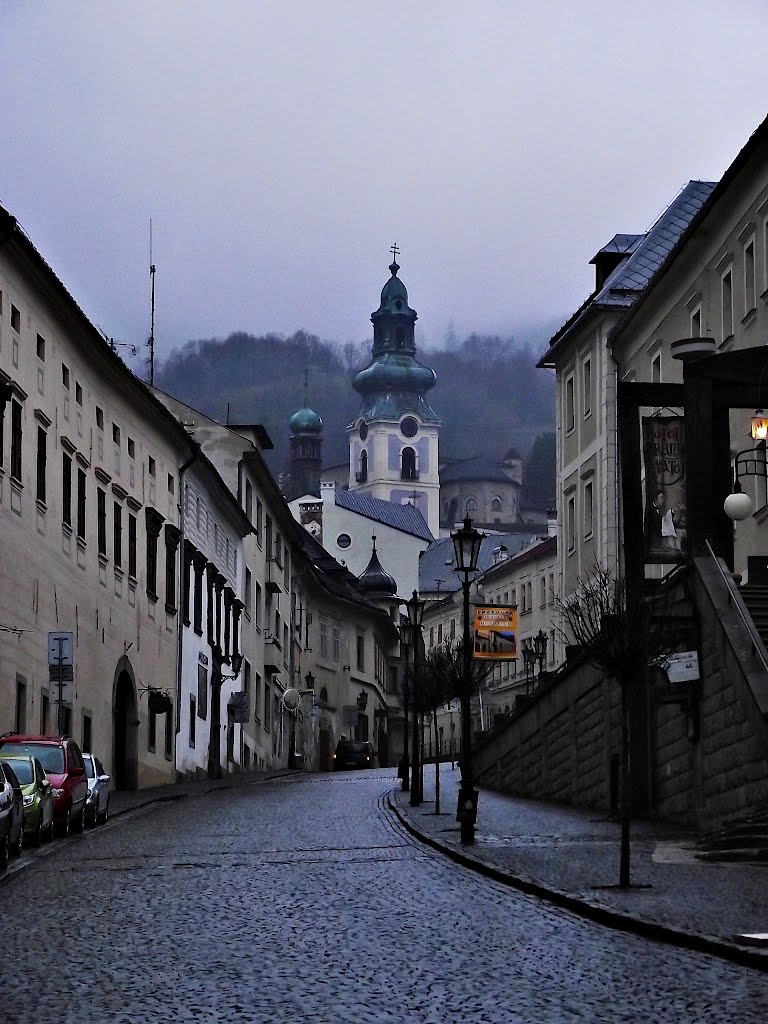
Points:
x=743 y=840
x=756 y=600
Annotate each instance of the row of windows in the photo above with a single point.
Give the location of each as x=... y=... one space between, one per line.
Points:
x=408 y=465
x=49 y=725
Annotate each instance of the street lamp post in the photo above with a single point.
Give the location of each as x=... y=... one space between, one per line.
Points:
x=529 y=659
x=415 y=615
x=405 y=766
x=540 y=649
x=466 y=546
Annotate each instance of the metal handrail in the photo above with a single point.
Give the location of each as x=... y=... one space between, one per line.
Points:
x=757 y=643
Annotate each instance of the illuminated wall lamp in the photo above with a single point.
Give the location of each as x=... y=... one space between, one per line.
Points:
x=759 y=426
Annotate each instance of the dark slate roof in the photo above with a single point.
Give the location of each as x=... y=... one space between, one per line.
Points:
x=628 y=280
x=547 y=546
x=406 y=518
x=437 y=562
x=479 y=467
x=334 y=577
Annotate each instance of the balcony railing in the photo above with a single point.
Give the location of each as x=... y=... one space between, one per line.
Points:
x=409 y=474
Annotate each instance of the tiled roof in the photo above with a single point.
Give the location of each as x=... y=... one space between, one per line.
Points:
x=628 y=280
x=437 y=562
x=406 y=518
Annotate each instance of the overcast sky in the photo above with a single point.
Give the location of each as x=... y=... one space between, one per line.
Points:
x=281 y=147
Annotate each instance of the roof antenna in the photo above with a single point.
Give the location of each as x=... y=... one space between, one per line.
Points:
x=151 y=342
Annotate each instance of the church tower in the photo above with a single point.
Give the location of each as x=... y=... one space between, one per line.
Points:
x=306 y=453
x=393 y=442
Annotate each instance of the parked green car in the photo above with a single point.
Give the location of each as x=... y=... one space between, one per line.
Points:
x=38 y=796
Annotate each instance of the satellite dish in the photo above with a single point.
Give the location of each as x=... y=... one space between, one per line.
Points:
x=291 y=698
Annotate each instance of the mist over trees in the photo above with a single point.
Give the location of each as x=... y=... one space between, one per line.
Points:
x=489 y=394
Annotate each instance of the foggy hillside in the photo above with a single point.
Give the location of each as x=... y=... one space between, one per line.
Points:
x=489 y=394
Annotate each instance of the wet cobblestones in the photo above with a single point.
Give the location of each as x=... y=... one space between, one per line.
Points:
x=302 y=900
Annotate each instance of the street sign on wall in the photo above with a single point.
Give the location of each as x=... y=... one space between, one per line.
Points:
x=60 y=648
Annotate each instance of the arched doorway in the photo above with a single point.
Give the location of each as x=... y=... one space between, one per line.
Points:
x=125 y=752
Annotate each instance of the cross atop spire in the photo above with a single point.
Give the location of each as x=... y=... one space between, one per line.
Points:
x=395 y=252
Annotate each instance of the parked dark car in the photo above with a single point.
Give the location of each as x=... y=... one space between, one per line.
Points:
x=37 y=792
x=63 y=765
x=353 y=754
x=11 y=814
x=99 y=788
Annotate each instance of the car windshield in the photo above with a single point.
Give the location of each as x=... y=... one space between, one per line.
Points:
x=22 y=770
x=356 y=746
x=51 y=757
x=88 y=762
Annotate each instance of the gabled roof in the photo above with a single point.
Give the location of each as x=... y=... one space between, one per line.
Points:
x=437 y=562
x=405 y=518
x=631 y=277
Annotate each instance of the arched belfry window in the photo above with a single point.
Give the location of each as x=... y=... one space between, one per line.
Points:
x=471 y=504
x=408 y=469
x=400 y=336
x=496 y=504
x=362 y=475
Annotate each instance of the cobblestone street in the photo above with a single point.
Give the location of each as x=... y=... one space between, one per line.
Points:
x=302 y=899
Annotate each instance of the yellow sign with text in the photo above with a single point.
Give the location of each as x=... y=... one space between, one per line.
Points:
x=495 y=632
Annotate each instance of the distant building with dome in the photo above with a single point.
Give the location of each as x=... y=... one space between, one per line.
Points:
x=483 y=487
x=393 y=440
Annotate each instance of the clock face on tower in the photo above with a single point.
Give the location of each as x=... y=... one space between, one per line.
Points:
x=363 y=431
x=409 y=427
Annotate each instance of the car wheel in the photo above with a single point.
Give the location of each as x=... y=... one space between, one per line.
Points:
x=19 y=844
x=79 y=823
x=63 y=827
x=104 y=815
x=37 y=836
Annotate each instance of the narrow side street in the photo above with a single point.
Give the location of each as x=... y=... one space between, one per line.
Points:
x=302 y=899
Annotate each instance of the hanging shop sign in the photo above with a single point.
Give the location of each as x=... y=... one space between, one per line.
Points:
x=495 y=632
x=666 y=515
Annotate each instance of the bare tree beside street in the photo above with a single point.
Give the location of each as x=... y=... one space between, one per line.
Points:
x=621 y=633
x=441 y=679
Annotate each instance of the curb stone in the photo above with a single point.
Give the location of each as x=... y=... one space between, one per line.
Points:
x=591 y=910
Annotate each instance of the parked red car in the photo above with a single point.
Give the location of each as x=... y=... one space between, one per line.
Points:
x=63 y=765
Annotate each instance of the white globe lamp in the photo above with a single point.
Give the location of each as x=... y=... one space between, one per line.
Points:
x=738 y=506
x=291 y=698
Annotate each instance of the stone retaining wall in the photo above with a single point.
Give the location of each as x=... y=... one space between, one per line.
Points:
x=704 y=762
